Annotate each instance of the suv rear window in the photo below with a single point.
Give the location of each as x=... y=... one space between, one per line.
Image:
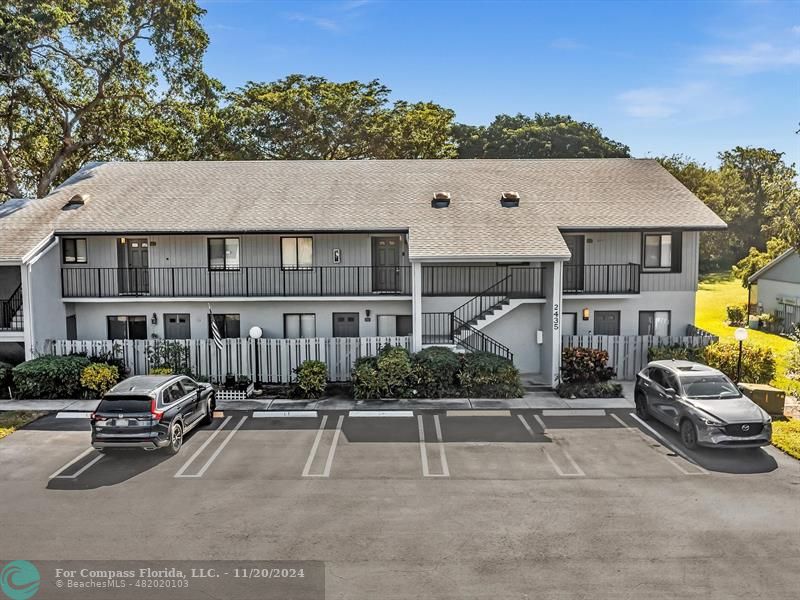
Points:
x=125 y=404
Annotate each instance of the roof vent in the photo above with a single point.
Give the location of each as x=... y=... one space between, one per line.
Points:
x=76 y=202
x=441 y=200
x=509 y=199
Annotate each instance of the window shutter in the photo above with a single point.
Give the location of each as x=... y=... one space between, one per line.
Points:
x=677 y=251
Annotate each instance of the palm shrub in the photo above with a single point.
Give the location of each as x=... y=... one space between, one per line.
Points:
x=98 y=378
x=312 y=377
x=758 y=363
x=737 y=314
x=50 y=377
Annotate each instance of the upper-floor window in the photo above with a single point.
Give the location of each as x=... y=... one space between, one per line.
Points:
x=297 y=252
x=73 y=250
x=223 y=253
x=658 y=251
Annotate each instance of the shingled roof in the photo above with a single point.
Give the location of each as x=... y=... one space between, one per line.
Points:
x=281 y=196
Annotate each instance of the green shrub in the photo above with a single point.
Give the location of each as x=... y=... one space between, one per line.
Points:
x=737 y=314
x=98 y=378
x=50 y=377
x=312 y=377
x=433 y=373
x=694 y=354
x=169 y=355
x=394 y=369
x=367 y=383
x=585 y=365
x=758 y=363
x=605 y=389
x=5 y=379
x=161 y=371
x=486 y=375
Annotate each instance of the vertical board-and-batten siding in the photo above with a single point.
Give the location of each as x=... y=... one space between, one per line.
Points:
x=270 y=360
x=622 y=247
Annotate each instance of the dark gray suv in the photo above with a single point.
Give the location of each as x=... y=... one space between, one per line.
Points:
x=151 y=411
x=702 y=404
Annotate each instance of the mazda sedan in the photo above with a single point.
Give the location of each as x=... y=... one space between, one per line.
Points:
x=702 y=404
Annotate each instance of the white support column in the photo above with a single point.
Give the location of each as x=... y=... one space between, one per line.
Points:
x=556 y=308
x=416 y=306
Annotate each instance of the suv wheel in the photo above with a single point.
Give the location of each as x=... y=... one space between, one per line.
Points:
x=689 y=434
x=641 y=407
x=208 y=418
x=175 y=438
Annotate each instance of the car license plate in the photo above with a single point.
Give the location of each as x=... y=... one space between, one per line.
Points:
x=123 y=422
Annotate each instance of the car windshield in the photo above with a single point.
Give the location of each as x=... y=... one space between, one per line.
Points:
x=709 y=386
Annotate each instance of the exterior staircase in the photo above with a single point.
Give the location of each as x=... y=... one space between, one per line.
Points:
x=11 y=313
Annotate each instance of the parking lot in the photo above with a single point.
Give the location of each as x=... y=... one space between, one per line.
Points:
x=450 y=504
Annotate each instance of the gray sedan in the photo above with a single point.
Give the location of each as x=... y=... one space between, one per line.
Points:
x=702 y=404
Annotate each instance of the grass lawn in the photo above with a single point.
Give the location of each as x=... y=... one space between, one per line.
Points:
x=786 y=436
x=715 y=293
x=12 y=420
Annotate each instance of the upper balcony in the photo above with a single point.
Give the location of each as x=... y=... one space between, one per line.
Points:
x=601 y=279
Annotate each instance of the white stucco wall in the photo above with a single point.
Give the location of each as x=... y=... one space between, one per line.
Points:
x=91 y=317
x=769 y=290
x=517 y=330
x=48 y=312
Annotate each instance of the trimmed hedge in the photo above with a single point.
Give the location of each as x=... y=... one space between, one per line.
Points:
x=312 y=377
x=50 y=377
x=758 y=363
x=486 y=375
x=433 y=373
x=98 y=378
x=737 y=314
x=585 y=365
x=605 y=389
x=676 y=353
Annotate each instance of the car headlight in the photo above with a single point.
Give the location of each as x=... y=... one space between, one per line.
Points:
x=711 y=422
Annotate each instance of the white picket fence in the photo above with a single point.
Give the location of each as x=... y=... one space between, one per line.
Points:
x=627 y=354
x=268 y=360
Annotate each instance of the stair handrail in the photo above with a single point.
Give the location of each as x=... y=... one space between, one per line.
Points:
x=11 y=306
x=488 y=344
x=457 y=312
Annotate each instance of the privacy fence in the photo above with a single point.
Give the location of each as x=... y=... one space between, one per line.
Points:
x=266 y=360
x=627 y=354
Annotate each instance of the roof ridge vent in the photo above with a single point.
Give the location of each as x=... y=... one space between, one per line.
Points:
x=509 y=199
x=76 y=202
x=440 y=200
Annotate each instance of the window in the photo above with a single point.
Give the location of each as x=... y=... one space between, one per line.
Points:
x=223 y=254
x=173 y=393
x=296 y=253
x=392 y=325
x=658 y=251
x=657 y=376
x=228 y=325
x=123 y=327
x=654 y=322
x=189 y=386
x=74 y=250
x=297 y=326
x=606 y=322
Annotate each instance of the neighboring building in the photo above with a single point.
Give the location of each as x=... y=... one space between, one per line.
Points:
x=506 y=255
x=775 y=289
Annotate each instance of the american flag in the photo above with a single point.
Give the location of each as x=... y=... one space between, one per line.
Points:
x=215 y=330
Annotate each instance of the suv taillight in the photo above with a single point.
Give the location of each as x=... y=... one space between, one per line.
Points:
x=95 y=417
x=156 y=414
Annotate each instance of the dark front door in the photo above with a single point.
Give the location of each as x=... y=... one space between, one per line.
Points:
x=386 y=264
x=606 y=322
x=573 y=268
x=134 y=262
x=345 y=324
x=176 y=326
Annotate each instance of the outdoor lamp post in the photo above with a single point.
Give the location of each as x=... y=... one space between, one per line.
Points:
x=741 y=335
x=256 y=332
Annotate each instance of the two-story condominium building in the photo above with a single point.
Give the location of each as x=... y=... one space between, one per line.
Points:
x=502 y=255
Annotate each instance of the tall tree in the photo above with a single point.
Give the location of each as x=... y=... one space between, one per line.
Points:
x=83 y=80
x=307 y=117
x=539 y=136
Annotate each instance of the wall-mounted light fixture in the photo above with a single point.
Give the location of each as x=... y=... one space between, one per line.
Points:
x=585 y=314
x=337 y=256
x=154 y=319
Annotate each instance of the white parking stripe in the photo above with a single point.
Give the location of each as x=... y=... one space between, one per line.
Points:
x=478 y=413
x=280 y=414
x=423 y=449
x=329 y=461
x=73 y=415
x=219 y=449
x=381 y=413
x=57 y=474
x=442 y=457
x=578 y=471
x=201 y=448
x=664 y=442
x=576 y=412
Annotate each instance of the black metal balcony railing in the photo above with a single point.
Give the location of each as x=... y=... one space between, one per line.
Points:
x=457 y=280
x=194 y=282
x=10 y=312
x=602 y=279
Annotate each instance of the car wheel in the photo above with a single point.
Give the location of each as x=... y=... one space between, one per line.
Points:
x=175 y=438
x=641 y=407
x=209 y=416
x=688 y=434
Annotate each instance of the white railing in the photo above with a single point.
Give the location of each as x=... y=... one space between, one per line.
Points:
x=267 y=360
x=627 y=354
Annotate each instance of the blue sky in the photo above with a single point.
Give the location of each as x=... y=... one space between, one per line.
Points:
x=663 y=77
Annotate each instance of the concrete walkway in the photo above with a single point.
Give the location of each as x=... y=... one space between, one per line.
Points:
x=531 y=400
